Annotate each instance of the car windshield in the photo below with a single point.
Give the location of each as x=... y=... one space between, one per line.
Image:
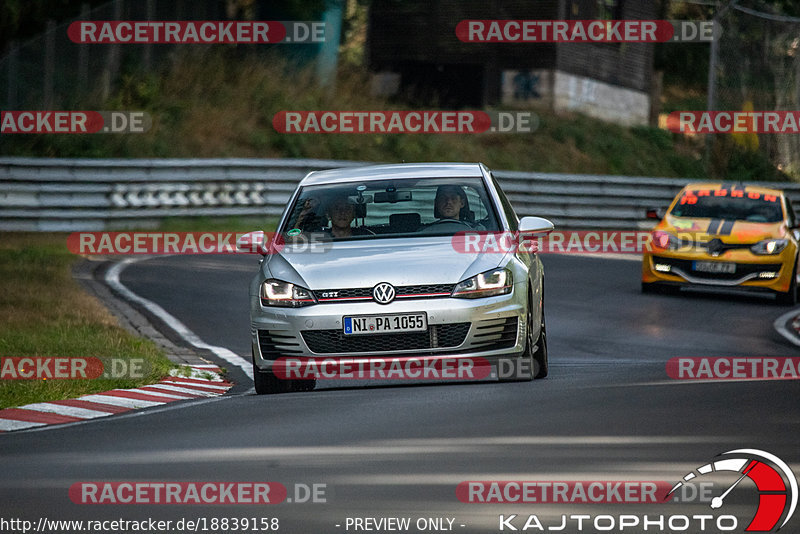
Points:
x=729 y=204
x=392 y=208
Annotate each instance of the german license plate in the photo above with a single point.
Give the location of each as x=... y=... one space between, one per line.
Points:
x=714 y=267
x=383 y=324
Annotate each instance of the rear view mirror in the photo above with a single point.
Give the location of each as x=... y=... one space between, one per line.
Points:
x=655 y=213
x=392 y=196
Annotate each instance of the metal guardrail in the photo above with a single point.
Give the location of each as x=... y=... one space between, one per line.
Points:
x=87 y=194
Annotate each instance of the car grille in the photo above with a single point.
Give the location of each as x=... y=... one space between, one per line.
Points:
x=401 y=292
x=277 y=343
x=495 y=334
x=742 y=269
x=437 y=336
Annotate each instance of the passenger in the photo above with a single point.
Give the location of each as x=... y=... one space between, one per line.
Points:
x=341 y=211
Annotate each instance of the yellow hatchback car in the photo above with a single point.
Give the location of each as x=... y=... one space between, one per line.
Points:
x=724 y=235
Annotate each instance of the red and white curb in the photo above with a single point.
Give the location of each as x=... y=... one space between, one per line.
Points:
x=202 y=381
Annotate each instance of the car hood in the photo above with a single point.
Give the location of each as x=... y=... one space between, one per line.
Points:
x=353 y=264
x=728 y=230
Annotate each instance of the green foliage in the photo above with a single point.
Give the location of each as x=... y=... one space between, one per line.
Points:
x=217 y=103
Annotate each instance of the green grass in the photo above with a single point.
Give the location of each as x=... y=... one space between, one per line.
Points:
x=44 y=312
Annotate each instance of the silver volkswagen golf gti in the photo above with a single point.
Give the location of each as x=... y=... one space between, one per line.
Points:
x=370 y=267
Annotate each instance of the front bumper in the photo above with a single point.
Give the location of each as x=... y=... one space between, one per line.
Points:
x=491 y=328
x=752 y=271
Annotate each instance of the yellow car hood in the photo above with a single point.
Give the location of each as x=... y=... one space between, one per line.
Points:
x=729 y=231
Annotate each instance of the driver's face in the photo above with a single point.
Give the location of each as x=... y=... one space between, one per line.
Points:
x=449 y=205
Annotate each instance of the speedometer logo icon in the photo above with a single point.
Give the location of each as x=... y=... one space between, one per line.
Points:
x=774 y=480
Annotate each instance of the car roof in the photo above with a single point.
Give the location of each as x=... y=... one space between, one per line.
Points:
x=394 y=171
x=727 y=185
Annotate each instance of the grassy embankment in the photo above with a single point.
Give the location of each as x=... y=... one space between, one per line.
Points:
x=220 y=105
x=45 y=312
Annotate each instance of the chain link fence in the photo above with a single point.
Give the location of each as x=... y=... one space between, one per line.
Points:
x=52 y=72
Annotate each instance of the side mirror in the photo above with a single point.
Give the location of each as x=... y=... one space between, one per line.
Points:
x=655 y=213
x=535 y=225
x=251 y=243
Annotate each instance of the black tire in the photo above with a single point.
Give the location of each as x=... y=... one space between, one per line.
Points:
x=266 y=383
x=789 y=298
x=649 y=288
x=532 y=363
x=540 y=362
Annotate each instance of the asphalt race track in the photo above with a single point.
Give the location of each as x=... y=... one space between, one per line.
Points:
x=607 y=412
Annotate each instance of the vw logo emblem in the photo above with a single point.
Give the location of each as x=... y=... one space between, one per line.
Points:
x=383 y=293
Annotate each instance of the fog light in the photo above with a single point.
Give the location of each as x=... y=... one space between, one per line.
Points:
x=663 y=267
x=768 y=274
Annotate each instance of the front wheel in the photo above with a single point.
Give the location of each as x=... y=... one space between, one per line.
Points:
x=266 y=383
x=533 y=361
x=540 y=364
x=789 y=298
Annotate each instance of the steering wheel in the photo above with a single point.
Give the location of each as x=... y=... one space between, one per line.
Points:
x=450 y=221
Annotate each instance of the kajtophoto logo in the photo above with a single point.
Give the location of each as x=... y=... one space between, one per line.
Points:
x=709 y=485
x=775 y=483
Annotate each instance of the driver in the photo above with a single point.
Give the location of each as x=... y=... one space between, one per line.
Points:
x=449 y=203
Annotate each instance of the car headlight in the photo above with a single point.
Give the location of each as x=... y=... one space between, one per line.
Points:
x=769 y=246
x=278 y=293
x=665 y=240
x=488 y=284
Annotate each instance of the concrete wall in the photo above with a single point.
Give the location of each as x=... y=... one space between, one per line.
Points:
x=560 y=91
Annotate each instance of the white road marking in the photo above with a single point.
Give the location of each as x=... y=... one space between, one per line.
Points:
x=112 y=279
